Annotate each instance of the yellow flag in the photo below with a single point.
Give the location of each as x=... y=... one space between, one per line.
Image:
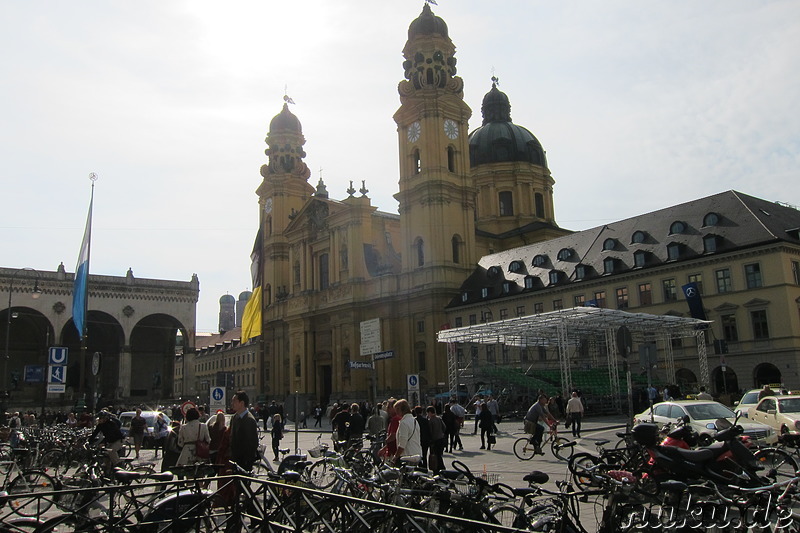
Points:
x=251 y=318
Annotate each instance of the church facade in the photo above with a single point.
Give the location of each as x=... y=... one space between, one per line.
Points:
x=333 y=267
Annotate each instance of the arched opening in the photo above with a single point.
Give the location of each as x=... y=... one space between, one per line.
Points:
x=724 y=382
x=30 y=335
x=419 y=245
x=456 y=244
x=451 y=159
x=539 y=204
x=416 y=162
x=766 y=373
x=506 y=199
x=152 y=345
x=686 y=379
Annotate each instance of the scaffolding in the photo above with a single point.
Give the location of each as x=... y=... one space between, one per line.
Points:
x=565 y=328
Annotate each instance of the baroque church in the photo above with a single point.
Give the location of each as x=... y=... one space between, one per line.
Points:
x=331 y=266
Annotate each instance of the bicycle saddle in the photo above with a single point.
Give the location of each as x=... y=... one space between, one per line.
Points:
x=537 y=477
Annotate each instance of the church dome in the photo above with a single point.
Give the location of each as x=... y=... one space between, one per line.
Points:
x=285 y=121
x=427 y=24
x=500 y=140
x=227 y=299
x=244 y=296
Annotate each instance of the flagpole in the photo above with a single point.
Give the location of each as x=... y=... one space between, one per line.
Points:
x=84 y=326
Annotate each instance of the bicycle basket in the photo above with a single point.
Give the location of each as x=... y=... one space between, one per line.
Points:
x=315 y=452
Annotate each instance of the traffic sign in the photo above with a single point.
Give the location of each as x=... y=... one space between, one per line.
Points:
x=56 y=387
x=34 y=373
x=413 y=382
x=185 y=406
x=57 y=374
x=216 y=399
x=364 y=365
x=57 y=355
x=383 y=355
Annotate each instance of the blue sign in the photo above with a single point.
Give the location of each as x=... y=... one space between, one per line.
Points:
x=218 y=393
x=383 y=355
x=57 y=374
x=34 y=373
x=57 y=355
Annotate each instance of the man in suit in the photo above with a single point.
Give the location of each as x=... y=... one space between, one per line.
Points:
x=244 y=432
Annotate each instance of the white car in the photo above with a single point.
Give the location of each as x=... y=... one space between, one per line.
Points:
x=702 y=414
x=150 y=417
x=779 y=412
x=748 y=400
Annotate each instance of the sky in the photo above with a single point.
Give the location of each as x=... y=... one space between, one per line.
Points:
x=639 y=106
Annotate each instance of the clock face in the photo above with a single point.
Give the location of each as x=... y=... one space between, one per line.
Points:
x=268 y=205
x=451 y=128
x=414 y=131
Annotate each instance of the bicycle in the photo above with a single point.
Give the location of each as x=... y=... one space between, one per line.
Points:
x=321 y=474
x=23 y=483
x=561 y=448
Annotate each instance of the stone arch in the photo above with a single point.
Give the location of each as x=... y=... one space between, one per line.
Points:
x=26 y=337
x=153 y=346
x=686 y=379
x=726 y=382
x=104 y=334
x=766 y=373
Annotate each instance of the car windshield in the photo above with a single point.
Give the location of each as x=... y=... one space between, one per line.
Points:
x=750 y=397
x=790 y=405
x=708 y=411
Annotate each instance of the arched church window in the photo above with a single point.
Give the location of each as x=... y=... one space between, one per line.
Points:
x=417 y=164
x=455 y=242
x=451 y=159
x=538 y=199
x=506 y=203
x=420 y=246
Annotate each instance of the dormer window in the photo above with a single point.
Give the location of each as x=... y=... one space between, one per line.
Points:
x=609 y=244
x=711 y=219
x=485 y=292
x=711 y=243
x=581 y=272
x=556 y=277
x=638 y=237
x=464 y=296
x=565 y=254
x=674 y=251
x=640 y=259
x=506 y=287
x=494 y=271
x=529 y=282
x=677 y=227
x=609 y=265
x=516 y=267
x=540 y=260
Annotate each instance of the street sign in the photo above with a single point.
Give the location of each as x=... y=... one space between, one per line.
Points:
x=56 y=387
x=362 y=365
x=413 y=382
x=185 y=406
x=370 y=336
x=34 y=373
x=383 y=355
x=57 y=374
x=216 y=399
x=57 y=355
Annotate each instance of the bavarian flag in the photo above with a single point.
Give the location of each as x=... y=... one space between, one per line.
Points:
x=251 y=318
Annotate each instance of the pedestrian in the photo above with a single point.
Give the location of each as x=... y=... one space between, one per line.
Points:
x=244 y=432
x=137 y=429
x=375 y=423
x=438 y=440
x=537 y=419
x=460 y=413
x=449 y=419
x=766 y=391
x=318 y=416
x=161 y=430
x=216 y=428
x=494 y=409
x=666 y=395
x=424 y=434
x=704 y=395
x=171 y=449
x=486 y=425
x=575 y=414
x=191 y=431
x=357 y=423
x=277 y=434
x=408 y=434
x=341 y=427
x=390 y=446
x=478 y=403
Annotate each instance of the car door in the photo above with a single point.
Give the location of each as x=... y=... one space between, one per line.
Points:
x=661 y=413
x=764 y=412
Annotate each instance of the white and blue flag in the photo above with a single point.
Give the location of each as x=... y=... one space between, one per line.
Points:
x=80 y=290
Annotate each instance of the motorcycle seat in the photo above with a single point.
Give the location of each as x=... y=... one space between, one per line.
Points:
x=695 y=456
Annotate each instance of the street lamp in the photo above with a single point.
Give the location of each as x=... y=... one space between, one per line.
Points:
x=6 y=355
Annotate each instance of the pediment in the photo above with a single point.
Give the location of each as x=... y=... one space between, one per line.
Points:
x=726 y=306
x=756 y=302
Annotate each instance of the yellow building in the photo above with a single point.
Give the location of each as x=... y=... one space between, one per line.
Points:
x=331 y=265
x=742 y=252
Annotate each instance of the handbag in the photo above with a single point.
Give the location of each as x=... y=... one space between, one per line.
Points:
x=492 y=439
x=201 y=447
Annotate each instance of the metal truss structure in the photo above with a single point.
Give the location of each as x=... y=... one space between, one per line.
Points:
x=565 y=329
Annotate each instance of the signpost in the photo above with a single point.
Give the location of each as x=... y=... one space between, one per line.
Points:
x=216 y=399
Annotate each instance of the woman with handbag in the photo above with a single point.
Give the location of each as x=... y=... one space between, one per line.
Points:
x=193 y=438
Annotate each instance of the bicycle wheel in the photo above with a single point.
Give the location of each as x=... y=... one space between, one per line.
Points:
x=524 y=449
x=510 y=515
x=577 y=466
x=73 y=523
x=54 y=459
x=31 y=482
x=321 y=475
x=559 y=447
x=778 y=465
